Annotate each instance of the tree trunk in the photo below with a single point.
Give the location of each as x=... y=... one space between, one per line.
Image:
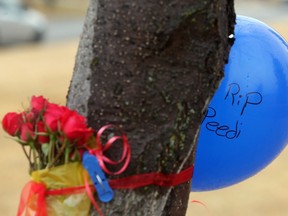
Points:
x=151 y=68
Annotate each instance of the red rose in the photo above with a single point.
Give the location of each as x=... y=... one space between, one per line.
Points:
x=27 y=132
x=38 y=104
x=12 y=122
x=41 y=128
x=29 y=117
x=74 y=127
x=86 y=136
x=53 y=115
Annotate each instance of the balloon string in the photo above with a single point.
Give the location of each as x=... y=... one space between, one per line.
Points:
x=201 y=203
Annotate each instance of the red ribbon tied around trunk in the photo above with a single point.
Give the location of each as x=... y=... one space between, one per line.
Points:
x=101 y=148
x=156 y=178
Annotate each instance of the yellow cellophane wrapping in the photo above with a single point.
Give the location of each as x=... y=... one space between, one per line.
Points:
x=64 y=176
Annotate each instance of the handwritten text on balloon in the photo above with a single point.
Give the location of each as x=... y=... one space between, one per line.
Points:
x=237 y=100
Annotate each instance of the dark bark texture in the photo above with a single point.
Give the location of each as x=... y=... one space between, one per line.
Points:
x=151 y=67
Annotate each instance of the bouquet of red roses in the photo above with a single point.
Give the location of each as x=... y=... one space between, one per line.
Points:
x=53 y=138
x=54 y=134
x=57 y=141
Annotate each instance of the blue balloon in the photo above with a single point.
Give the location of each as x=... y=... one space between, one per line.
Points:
x=246 y=124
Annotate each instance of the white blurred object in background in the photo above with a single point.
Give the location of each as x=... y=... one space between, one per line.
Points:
x=19 y=23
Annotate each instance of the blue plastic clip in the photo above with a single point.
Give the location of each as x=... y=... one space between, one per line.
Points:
x=91 y=164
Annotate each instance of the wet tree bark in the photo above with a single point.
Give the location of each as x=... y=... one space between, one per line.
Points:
x=151 y=68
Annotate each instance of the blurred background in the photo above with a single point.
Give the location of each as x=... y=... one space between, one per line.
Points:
x=38 y=45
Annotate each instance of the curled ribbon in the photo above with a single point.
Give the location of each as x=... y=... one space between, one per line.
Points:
x=101 y=148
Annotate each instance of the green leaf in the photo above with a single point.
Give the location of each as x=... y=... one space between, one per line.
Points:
x=45 y=148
